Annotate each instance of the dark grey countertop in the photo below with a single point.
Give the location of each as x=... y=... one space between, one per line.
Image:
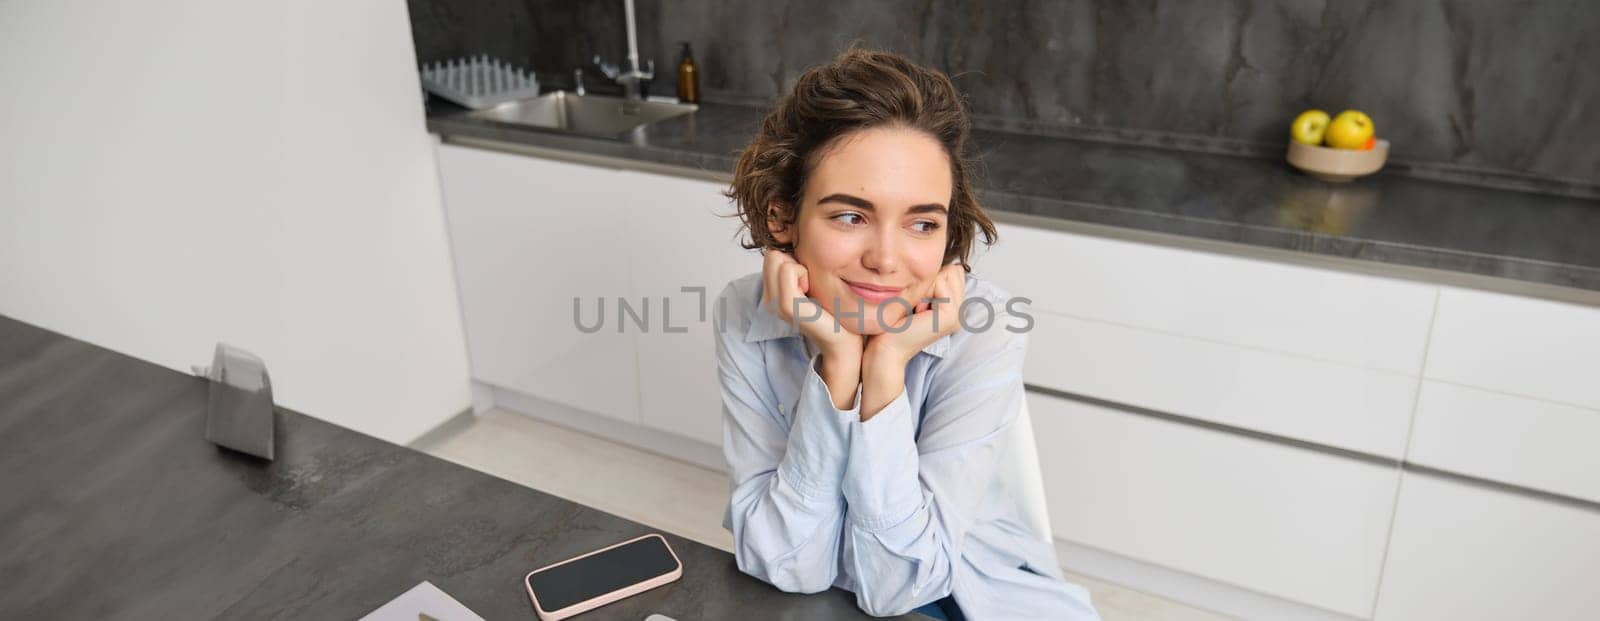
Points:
x=1391 y=218
x=115 y=506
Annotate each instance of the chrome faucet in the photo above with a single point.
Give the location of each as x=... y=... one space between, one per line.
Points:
x=629 y=75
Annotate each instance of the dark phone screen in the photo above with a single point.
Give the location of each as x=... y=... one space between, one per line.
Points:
x=592 y=576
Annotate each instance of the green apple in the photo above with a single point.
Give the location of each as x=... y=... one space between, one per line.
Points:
x=1308 y=127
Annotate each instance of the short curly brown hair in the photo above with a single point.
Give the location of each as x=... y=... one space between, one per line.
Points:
x=860 y=89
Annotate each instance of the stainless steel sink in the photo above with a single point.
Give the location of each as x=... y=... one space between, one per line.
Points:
x=594 y=115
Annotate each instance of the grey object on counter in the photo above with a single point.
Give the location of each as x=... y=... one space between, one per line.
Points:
x=479 y=82
x=115 y=507
x=1385 y=219
x=239 y=402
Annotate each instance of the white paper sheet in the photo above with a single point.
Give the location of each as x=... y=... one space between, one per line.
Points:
x=423 y=599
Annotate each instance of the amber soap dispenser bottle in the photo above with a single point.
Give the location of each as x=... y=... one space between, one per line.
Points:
x=688 y=76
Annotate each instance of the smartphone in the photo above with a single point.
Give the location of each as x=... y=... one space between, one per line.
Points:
x=587 y=582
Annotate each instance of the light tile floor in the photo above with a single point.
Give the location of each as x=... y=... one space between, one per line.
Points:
x=672 y=495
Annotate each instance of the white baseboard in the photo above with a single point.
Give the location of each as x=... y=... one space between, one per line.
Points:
x=445 y=430
x=482 y=397
x=1197 y=591
x=638 y=436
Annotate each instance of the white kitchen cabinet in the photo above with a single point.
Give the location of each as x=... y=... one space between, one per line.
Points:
x=1491 y=435
x=1366 y=410
x=1460 y=552
x=1360 y=320
x=1516 y=345
x=680 y=236
x=529 y=236
x=1297 y=524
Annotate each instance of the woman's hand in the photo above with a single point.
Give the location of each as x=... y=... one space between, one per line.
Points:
x=785 y=287
x=928 y=323
x=883 y=363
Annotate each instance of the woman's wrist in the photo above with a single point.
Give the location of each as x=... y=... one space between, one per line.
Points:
x=883 y=378
x=879 y=355
x=841 y=372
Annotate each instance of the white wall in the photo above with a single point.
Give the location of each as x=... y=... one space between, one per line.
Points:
x=178 y=172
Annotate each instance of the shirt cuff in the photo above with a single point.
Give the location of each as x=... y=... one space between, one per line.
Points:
x=880 y=480
x=814 y=461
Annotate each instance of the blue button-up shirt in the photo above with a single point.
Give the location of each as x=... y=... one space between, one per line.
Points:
x=902 y=510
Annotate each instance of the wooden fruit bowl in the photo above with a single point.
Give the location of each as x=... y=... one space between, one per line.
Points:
x=1337 y=165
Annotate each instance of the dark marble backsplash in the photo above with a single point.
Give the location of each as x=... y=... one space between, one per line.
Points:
x=1490 y=85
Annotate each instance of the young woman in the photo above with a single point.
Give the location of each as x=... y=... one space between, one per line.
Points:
x=862 y=422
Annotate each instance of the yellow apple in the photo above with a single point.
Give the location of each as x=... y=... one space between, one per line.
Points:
x=1350 y=130
x=1308 y=127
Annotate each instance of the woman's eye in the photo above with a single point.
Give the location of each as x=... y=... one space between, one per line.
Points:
x=849 y=218
x=925 y=226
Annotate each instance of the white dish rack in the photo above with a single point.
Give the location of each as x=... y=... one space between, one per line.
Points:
x=479 y=82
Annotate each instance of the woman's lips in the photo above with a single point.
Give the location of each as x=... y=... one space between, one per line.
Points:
x=873 y=293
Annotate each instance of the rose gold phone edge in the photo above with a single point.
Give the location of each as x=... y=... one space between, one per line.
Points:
x=596 y=602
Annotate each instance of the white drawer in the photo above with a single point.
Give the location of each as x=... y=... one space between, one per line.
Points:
x=1288 y=522
x=522 y=234
x=1538 y=444
x=1339 y=405
x=1462 y=553
x=1538 y=348
x=1352 y=318
x=682 y=240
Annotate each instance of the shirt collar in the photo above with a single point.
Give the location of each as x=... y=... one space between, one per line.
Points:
x=766 y=326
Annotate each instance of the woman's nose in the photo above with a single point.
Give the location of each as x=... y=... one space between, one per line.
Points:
x=882 y=253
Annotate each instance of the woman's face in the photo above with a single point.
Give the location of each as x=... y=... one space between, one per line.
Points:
x=872 y=226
